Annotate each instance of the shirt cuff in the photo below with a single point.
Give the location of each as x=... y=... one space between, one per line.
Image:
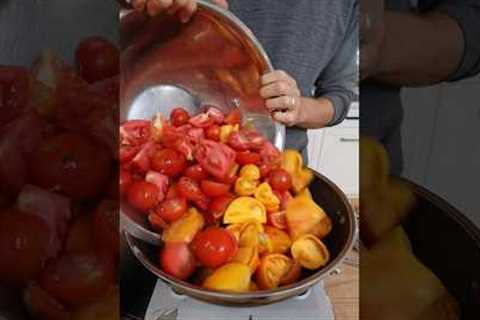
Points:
x=341 y=106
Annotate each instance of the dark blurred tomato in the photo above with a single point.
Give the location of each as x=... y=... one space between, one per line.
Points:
x=24 y=241
x=179 y=117
x=248 y=157
x=143 y=195
x=80 y=236
x=217 y=208
x=168 y=162
x=190 y=189
x=214 y=189
x=234 y=117
x=124 y=181
x=216 y=158
x=78 y=279
x=106 y=227
x=72 y=164
x=201 y=120
x=196 y=172
x=280 y=180
x=135 y=132
x=177 y=260
x=14 y=92
x=172 y=209
x=214 y=246
x=96 y=59
x=43 y=306
x=213 y=132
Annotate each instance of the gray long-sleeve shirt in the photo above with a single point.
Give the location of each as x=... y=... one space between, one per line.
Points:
x=315 y=41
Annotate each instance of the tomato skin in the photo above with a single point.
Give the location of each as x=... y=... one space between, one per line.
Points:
x=124 y=181
x=265 y=169
x=78 y=279
x=217 y=208
x=190 y=189
x=216 y=158
x=172 y=209
x=234 y=117
x=97 y=59
x=284 y=197
x=168 y=162
x=214 y=246
x=214 y=189
x=15 y=89
x=196 y=172
x=201 y=120
x=213 y=132
x=106 y=227
x=73 y=164
x=280 y=180
x=172 y=192
x=215 y=114
x=177 y=260
x=179 y=117
x=277 y=220
x=238 y=141
x=143 y=195
x=135 y=132
x=248 y=157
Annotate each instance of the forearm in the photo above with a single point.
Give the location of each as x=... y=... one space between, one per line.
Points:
x=418 y=49
x=316 y=112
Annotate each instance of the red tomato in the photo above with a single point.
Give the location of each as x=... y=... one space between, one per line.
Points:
x=142 y=160
x=177 y=260
x=78 y=279
x=106 y=227
x=172 y=192
x=43 y=306
x=213 y=133
x=214 y=246
x=238 y=141
x=265 y=169
x=157 y=223
x=124 y=181
x=190 y=189
x=196 y=172
x=172 y=209
x=214 y=189
x=24 y=241
x=270 y=154
x=135 y=132
x=72 y=164
x=168 y=162
x=178 y=141
x=234 y=117
x=14 y=92
x=126 y=153
x=215 y=114
x=96 y=59
x=217 y=208
x=201 y=120
x=179 y=117
x=277 y=220
x=216 y=158
x=255 y=140
x=280 y=180
x=231 y=176
x=248 y=157
x=284 y=197
x=80 y=236
x=143 y=195
x=161 y=181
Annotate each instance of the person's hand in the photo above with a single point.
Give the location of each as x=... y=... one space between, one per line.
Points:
x=283 y=97
x=184 y=9
x=372 y=33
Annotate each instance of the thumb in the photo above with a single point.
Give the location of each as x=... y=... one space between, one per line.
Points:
x=221 y=3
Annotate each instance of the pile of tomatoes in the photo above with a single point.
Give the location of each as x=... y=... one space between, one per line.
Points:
x=218 y=193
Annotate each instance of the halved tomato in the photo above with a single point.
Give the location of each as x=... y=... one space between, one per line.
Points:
x=217 y=208
x=238 y=141
x=135 y=132
x=196 y=172
x=179 y=117
x=213 y=132
x=216 y=158
x=214 y=189
x=201 y=120
x=168 y=162
x=234 y=117
x=172 y=209
x=143 y=195
x=215 y=114
x=190 y=189
x=248 y=157
x=277 y=219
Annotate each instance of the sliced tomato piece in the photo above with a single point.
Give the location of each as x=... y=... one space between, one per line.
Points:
x=126 y=153
x=214 y=189
x=179 y=116
x=172 y=209
x=169 y=162
x=234 y=117
x=238 y=141
x=280 y=180
x=277 y=220
x=248 y=157
x=177 y=260
x=157 y=223
x=190 y=189
x=172 y=192
x=216 y=158
x=196 y=172
x=125 y=179
x=196 y=134
x=255 y=140
x=161 y=181
x=213 y=132
x=201 y=120
x=141 y=161
x=215 y=114
x=217 y=208
x=135 y=132
x=270 y=154
x=143 y=195
x=284 y=197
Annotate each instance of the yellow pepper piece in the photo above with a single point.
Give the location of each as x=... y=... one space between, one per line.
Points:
x=310 y=252
x=231 y=277
x=244 y=210
x=185 y=228
x=292 y=162
x=226 y=130
x=250 y=171
x=245 y=187
x=248 y=256
x=279 y=239
x=304 y=216
x=265 y=195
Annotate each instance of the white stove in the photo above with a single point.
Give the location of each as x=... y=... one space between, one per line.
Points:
x=167 y=305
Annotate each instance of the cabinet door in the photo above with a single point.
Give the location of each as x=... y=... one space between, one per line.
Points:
x=339 y=158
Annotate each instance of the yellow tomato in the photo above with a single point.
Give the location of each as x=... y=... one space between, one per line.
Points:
x=279 y=239
x=293 y=275
x=265 y=195
x=253 y=286
x=273 y=267
x=244 y=210
x=250 y=171
x=292 y=162
x=249 y=235
x=310 y=252
x=231 y=277
x=226 y=130
x=245 y=186
x=185 y=228
x=247 y=256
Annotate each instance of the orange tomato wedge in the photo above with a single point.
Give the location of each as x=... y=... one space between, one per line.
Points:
x=244 y=210
x=248 y=256
x=185 y=228
x=273 y=267
x=231 y=277
x=280 y=240
x=310 y=252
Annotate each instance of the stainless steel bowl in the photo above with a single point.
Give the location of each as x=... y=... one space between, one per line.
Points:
x=340 y=241
x=213 y=60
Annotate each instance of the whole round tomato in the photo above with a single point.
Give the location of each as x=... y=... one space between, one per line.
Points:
x=172 y=209
x=214 y=246
x=106 y=227
x=280 y=180
x=24 y=240
x=72 y=164
x=196 y=172
x=179 y=117
x=97 y=59
x=214 y=189
x=213 y=133
x=168 y=162
x=177 y=260
x=248 y=157
x=190 y=189
x=78 y=279
x=124 y=181
x=143 y=195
